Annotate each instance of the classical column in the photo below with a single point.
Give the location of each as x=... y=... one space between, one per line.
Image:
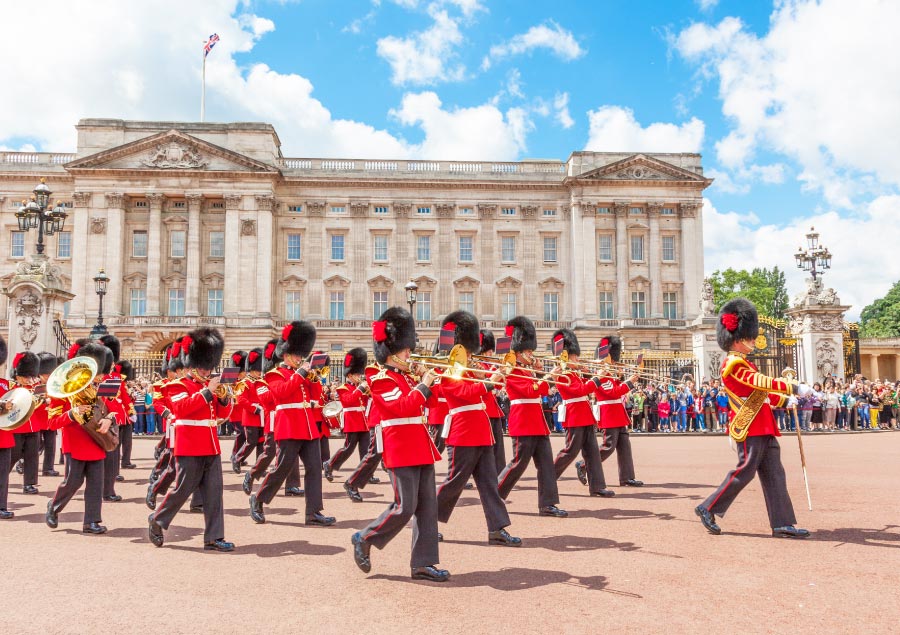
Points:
x=586 y=307
x=876 y=373
x=265 y=206
x=234 y=288
x=115 y=228
x=487 y=260
x=578 y=260
x=655 y=260
x=82 y=202
x=622 y=261
x=316 y=258
x=154 y=251
x=192 y=283
x=406 y=263
x=359 y=300
x=691 y=257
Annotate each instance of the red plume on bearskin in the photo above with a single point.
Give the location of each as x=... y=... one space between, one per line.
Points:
x=379 y=330
x=355 y=361
x=254 y=360
x=203 y=349
x=73 y=350
x=399 y=333
x=286 y=331
x=465 y=329
x=738 y=320
x=300 y=340
x=569 y=342
x=238 y=358
x=524 y=336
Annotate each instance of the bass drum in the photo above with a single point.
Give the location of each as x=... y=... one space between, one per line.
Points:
x=19 y=404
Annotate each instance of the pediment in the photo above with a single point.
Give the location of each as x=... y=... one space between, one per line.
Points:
x=381 y=282
x=292 y=281
x=171 y=151
x=336 y=281
x=466 y=282
x=509 y=281
x=425 y=281
x=551 y=283
x=213 y=278
x=174 y=277
x=641 y=168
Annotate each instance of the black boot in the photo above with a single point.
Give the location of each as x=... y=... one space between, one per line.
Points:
x=361 y=552
x=708 y=520
x=789 y=531
x=256 y=510
x=93 y=528
x=431 y=574
x=502 y=537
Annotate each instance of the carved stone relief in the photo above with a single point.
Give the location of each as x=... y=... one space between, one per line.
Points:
x=175 y=155
x=114 y=200
x=359 y=209
x=402 y=210
x=29 y=310
x=98 y=225
x=826 y=357
x=248 y=227
x=233 y=201
x=715 y=364
x=315 y=208
x=444 y=210
x=690 y=209
x=81 y=199
x=707 y=299
x=487 y=211
x=265 y=203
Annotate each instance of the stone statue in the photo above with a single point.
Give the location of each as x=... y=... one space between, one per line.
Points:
x=707 y=299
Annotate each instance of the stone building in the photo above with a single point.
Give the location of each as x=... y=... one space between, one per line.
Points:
x=208 y=223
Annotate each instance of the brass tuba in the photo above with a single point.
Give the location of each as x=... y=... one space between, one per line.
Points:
x=74 y=380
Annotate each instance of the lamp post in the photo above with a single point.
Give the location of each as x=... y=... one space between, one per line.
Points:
x=815 y=258
x=411 y=289
x=34 y=214
x=101 y=280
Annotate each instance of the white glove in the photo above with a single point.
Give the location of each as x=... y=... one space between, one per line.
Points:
x=133 y=418
x=803 y=390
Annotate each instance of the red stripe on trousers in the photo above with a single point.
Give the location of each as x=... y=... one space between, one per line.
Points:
x=737 y=471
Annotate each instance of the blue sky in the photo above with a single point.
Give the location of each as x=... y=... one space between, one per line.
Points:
x=789 y=102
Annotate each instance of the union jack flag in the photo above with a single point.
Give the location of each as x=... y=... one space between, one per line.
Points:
x=210 y=43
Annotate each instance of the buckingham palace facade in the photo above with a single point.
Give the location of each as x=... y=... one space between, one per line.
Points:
x=205 y=223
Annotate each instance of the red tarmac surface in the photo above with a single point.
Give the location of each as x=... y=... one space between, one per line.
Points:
x=638 y=563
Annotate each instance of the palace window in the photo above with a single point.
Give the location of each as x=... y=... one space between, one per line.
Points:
x=508 y=249
x=466 y=211
x=297 y=209
x=638 y=304
x=338 y=209
x=606 y=306
x=549 y=212
x=467 y=301
x=215 y=302
x=336 y=305
x=423 y=248
x=216 y=244
x=668 y=248
x=551 y=306
x=179 y=204
x=508 y=308
x=176 y=302
x=670 y=305
x=635 y=210
x=668 y=211
x=465 y=249
x=423 y=305
x=138 y=302
x=604 y=248
x=381 y=210
x=379 y=303
x=637 y=248
x=337 y=246
x=294 y=247
x=549 y=248
x=17 y=245
x=177 y=248
x=508 y=211
x=380 y=248
x=64 y=245
x=602 y=210
x=217 y=205
x=423 y=210
x=139 y=244
x=292 y=305
x=141 y=203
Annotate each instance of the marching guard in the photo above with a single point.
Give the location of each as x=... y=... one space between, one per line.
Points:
x=751 y=397
x=125 y=370
x=527 y=427
x=7 y=442
x=488 y=344
x=238 y=360
x=26 y=369
x=253 y=413
x=48 y=362
x=409 y=454
x=197 y=402
x=354 y=397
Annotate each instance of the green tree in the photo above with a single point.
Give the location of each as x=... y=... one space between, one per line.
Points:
x=766 y=288
x=882 y=317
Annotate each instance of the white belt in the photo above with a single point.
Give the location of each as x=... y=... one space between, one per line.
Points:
x=610 y=402
x=442 y=400
x=469 y=408
x=402 y=421
x=293 y=406
x=518 y=402
x=575 y=400
x=199 y=423
x=354 y=409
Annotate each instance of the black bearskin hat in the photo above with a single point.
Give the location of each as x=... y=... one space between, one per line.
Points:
x=176 y=361
x=4 y=351
x=738 y=321
x=297 y=338
x=570 y=341
x=614 y=342
x=111 y=342
x=202 y=348
x=487 y=341
x=521 y=330
x=254 y=360
x=355 y=361
x=271 y=358
x=26 y=364
x=99 y=353
x=239 y=359
x=126 y=370
x=393 y=331
x=466 y=328
x=48 y=362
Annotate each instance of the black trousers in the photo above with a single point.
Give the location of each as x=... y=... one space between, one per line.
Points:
x=252 y=441
x=762 y=456
x=126 y=437
x=414 y=498
x=466 y=462
x=357 y=440
x=27 y=447
x=499 y=447
x=240 y=438
x=167 y=473
x=324 y=448
x=288 y=452
x=439 y=442
x=110 y=470
x=5 y=453
x=78 y=473
x=265 y=459
x=582 y=439
x=201 y=474
x=618 y=440
x=536 y=448
x=48 y=444
x=366 y=468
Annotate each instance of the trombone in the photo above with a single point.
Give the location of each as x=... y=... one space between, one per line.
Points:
x=453 y=365
x=507 y=363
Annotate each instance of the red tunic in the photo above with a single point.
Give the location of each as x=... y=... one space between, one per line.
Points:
x=253 y=413
x=575 y=397
x=490 y=399
x=400 y=402
x=75 y=441
x=7 y=440
x=526 y=417
x=37 y=419
x=196 y=412
x=437 y=413
x=469 y=422
x=354 y=402
x=740 y=378
x=316 y=391
x=610 y=393
x=291 y=401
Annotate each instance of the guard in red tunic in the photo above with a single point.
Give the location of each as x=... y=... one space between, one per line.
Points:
x=296 y=433
x=580 y=425
x=751 y=397
x=126 y=372
x=614 y=419
x=26 y=373
x=111 y=469
x=527 y=427
x=316 y=395
x=7 y=442
x=238 y=360
x=253 y=413
x=409 y=454
x=494 y=413
x=86 y=457
x=354 y=396
x=48 y=362
x=197 y=408
x=365 y=471
x=163 y=474
x=438 y=413
x=470 y=440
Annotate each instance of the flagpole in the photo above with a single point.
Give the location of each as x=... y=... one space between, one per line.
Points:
x=203 y=89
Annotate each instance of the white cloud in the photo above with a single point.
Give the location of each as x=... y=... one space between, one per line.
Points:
x=455 y=134
x=816 y=88
x=561 y=107
x=861 y=272
x=707 y=5
x=613 y=128
x=468 y=7
x=426 y=57
x=739 y=181
x=514 y=83
x=550 y=36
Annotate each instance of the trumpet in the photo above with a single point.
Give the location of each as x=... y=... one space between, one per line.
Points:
x=507 y=365
x=222 y=391
x=453 y=365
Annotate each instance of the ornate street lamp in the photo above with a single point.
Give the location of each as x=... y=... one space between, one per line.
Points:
x=411 y=289
x=815 y=258
x=34 y=214
x=101 y=280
